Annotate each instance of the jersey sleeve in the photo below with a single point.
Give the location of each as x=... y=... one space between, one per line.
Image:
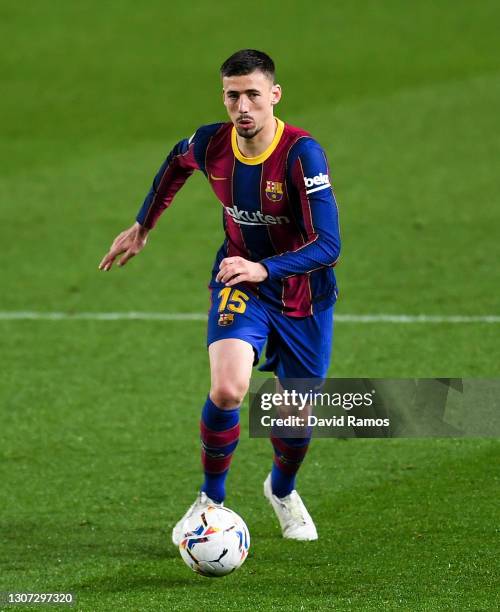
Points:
x=309 y=175
x=171 y=176
x=187 y=156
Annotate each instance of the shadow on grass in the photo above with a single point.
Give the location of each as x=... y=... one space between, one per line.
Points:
x=37 y=545
x=128 y=580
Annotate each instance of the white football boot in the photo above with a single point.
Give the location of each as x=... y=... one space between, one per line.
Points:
x=296 y=522
x=202 y=501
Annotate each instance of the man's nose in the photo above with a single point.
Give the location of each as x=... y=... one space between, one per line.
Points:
x=243 y=104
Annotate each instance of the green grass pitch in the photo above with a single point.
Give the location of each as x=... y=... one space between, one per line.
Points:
x=98 y=436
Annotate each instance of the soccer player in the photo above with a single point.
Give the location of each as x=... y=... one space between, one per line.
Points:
x=272 y=280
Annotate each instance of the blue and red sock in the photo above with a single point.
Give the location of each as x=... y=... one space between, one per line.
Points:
x=220 y=432
x=288 y=456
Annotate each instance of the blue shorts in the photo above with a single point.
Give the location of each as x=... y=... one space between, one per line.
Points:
x=296 y=348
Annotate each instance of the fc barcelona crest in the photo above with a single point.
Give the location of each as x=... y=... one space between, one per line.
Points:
x=225 y=318
x=274 y=190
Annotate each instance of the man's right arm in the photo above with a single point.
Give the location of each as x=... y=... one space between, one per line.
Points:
x=187 y=155
x=172 y=175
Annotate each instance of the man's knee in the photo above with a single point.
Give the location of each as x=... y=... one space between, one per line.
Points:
x=228 y=394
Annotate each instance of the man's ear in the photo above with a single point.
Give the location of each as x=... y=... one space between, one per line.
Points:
x=275 y=94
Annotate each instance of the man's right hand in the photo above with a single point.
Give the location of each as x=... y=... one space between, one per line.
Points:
x=130 y=242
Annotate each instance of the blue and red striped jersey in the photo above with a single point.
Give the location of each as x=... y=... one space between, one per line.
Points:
x=278 y=209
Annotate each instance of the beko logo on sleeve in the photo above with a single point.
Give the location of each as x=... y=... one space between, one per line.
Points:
x=320 y=181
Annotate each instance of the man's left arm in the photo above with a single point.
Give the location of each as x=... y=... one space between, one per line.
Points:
x=309 y=173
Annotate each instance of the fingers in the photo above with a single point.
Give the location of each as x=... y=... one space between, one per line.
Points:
x=107 y=261
x=224 y=274
x=121 y=244
x=231 y=260
x=128 y=255
x=229 y=276
x=240 y=278
x=232 y=270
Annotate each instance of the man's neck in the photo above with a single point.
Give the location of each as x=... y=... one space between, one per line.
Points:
x=260 y=142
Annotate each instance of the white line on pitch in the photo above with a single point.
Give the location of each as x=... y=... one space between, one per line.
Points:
x=102 y=316
x=16 y=315
x=386 y=318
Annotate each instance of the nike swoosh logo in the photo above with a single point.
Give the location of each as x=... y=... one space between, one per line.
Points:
x=218 y=178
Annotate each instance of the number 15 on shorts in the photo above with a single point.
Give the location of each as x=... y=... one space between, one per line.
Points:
x=232 y=299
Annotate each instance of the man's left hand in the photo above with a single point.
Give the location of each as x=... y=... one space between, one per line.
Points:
x=234 y=270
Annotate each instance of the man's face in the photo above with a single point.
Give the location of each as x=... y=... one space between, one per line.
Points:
x=249 y=100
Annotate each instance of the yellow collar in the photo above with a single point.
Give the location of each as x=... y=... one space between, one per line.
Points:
x=259 y=159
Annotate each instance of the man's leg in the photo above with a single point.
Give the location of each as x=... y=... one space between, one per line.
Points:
x=301 y=349
x=238 y=326
x=230 y=369
x=231 y=361
x=279 y=487
x=288 y=456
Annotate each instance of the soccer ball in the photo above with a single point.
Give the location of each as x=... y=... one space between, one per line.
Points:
x=215 y=541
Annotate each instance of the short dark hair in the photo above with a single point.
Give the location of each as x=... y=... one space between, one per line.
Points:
x=246 y=61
